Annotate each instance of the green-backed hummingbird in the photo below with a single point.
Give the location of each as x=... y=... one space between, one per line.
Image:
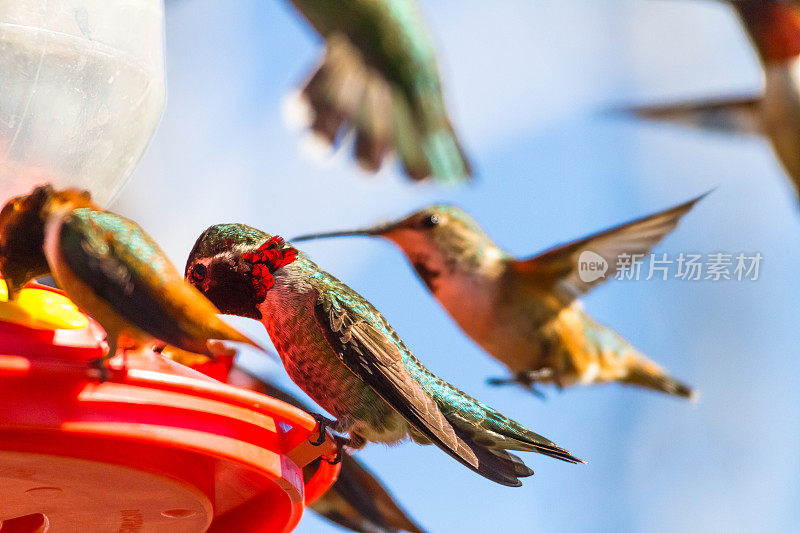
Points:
x=344 y=354
x=110 y=268
x=379 y=77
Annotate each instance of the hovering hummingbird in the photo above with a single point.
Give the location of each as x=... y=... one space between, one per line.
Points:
x=344 y=354
x=774 y=30
x=524 y=312
x=110 y=268
x=379 y=77
x=357 y=500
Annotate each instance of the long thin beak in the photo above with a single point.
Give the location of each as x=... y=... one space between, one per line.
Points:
x=378 y=231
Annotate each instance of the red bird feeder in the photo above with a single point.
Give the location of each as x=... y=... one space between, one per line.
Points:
x=156 y=447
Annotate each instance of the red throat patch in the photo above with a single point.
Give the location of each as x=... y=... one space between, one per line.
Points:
x=774 y=26
x=268 y=258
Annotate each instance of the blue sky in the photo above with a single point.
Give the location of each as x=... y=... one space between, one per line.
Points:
x=529 y=86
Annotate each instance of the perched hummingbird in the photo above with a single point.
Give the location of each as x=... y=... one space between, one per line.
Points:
x=357 y=501
x=774 y=30
x=110 y=268
x=524 y=312
x=21 y=228
x=344 y=354
x=379 y=77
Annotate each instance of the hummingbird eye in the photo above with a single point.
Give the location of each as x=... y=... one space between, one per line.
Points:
x=430 y=221
x=199 y=272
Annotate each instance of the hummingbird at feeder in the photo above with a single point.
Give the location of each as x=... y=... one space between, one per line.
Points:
x=344 y=354
x=111 y=269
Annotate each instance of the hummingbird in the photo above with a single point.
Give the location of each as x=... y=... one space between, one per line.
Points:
x=774 y=30
x=357 y=500
x=379 y=78
x=21 y=225
x=344 y=354
x=525 y=312
x=111 y=269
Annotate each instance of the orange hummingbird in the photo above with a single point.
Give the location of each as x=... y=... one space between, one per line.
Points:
x=525 y=312
x=774 y=30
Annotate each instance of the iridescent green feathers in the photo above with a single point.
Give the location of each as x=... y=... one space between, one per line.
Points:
x=379 y=78
x=220 y=237
x=471 y=432
x=361 y=339
x=123 y=266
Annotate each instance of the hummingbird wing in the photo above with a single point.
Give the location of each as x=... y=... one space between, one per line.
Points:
x=126 y=268
x=357 y=500
x=372 y=354
x=368 y=506
x=557 y=269
x=379 y=77
x=733 y=115
x=470 y=432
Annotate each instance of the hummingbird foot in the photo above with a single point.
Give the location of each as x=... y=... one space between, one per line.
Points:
x=353 y=442
x=324 y=423
x=100 y=365
x=341 y=443
x=496 y=382
x=100 y=369
x=527 y=379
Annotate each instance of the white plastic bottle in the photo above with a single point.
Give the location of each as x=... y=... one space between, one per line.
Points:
x=81 y=91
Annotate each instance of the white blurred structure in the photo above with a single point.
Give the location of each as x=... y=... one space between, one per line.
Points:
x=81 y=91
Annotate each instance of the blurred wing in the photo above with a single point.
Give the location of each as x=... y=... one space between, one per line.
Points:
x=369 y=498
x=738 y=115
x=558 y=267
x=358 y=497
x=350 y=91
x=125 y=267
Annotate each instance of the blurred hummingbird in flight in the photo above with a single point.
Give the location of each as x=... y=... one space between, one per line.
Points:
x=110 y=268
x=774 y=29
x=379 y=78
x=344 y=354
x=525 y=312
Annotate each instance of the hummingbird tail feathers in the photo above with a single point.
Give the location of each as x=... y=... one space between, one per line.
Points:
x=506 y=434
x=525 y=440
x=643 y=373
x=345 y=92
x=733 y=115
x=426 y=142
x=206 y=341
x=497 y=465
x=491 y=440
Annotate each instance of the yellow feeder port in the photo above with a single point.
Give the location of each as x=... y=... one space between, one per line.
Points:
x=41 y=309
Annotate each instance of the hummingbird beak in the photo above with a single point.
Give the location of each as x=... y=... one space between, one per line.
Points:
x=376 y=231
